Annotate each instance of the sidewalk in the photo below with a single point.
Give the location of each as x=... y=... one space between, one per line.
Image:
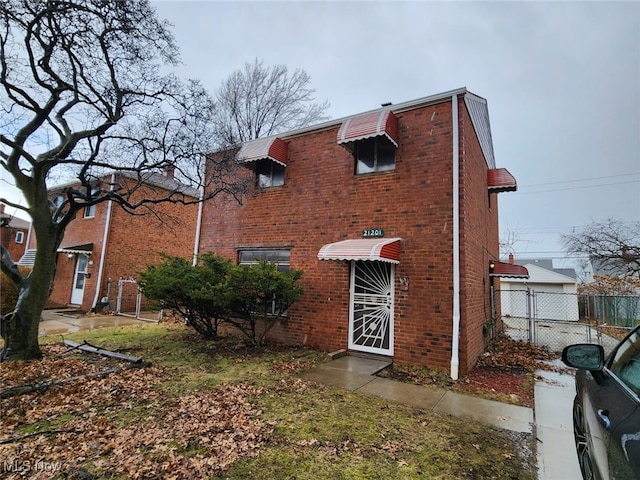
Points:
x=551 y=423
x=557 y=459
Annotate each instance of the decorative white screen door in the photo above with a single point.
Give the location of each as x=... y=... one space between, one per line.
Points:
x=371 y=312
x=77 y=292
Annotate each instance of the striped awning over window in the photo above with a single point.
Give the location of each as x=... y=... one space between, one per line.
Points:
x=270 y=148
x=500 y=180
x=502 y=269
x=374 y=249
x=369 y=125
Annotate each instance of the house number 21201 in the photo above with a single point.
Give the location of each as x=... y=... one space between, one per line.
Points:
x=373 y=232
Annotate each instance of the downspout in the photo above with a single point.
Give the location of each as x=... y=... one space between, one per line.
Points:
x=455 y=337
x=196 y=246
x=103 y=253
x=29 y=236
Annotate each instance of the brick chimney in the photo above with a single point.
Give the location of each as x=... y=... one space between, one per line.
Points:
x=512 y=259
x=169 y=171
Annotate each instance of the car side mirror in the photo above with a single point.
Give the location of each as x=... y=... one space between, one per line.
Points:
x=585 y=356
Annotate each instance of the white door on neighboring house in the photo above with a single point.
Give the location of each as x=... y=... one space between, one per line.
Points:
x=79 y=278
x=371 y=312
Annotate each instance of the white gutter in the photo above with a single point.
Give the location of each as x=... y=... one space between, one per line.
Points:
x=196 y=247
x=103 y=253
x=29 y=236
x=455 y=336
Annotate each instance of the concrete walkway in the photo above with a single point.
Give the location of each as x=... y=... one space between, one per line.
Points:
x=551 y=421
x=554 y=393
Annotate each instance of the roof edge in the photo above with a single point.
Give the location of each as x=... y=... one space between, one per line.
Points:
x=397 y=108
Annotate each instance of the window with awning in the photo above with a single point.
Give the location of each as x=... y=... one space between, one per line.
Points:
x=267 y=157
x=372 y=249
x=372 y=138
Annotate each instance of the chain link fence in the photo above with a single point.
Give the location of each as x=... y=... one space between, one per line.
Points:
x=555 y=320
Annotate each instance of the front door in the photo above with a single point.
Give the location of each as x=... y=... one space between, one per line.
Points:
x=79 y=278
x=371 y=312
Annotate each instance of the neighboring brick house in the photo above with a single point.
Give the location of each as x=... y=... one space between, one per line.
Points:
x=104 y=244
x=393 y=217
x=14 y=232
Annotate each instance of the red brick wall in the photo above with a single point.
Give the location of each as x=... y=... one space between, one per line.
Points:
x=137 y=241
x=16 y=250
x=323 y=201
x=134 y=241
x=80 y=231
x=478 y=242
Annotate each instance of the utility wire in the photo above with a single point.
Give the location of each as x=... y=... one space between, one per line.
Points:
x=578 y=188
x=580 y=180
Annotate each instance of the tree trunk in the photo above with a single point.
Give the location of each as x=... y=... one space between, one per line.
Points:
x=20 y=329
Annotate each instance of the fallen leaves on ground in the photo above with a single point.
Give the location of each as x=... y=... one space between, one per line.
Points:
x=507 y=354
x=505 y=372
x=121 y=424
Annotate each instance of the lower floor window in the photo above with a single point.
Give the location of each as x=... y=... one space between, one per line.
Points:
x=279 y=257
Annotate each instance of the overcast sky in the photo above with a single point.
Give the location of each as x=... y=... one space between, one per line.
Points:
x=562 y=81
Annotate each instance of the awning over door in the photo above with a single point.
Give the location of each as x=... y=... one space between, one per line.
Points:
x=502 y=269
x=85 y=248
x=270 y=148
x=374 y=249
x=381 y=123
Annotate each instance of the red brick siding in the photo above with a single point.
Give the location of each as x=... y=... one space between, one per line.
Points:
x=8 y=239
x=133 y=243
x=478 y=242
x=322 y=201
x=80 y=231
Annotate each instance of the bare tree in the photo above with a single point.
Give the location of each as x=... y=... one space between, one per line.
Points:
x=84 y=93
x=612 y=245
x=261 y=101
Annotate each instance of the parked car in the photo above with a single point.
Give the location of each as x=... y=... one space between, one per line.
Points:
x=606 y=409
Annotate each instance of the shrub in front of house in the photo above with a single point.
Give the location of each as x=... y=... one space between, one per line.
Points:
x=251 y=298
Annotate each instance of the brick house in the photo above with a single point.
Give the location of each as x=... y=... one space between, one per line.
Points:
x=393 y=217
x=105 y=244
x=14 y=232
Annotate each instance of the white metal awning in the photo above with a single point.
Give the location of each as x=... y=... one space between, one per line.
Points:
x=373 y=249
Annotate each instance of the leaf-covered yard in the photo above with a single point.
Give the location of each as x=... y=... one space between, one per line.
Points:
x=198 y=409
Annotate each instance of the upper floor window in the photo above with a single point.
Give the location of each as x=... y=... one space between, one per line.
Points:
x=269 y=174
x=90 y=211
x=19 y=237
x=372 y=138
x=375 y=154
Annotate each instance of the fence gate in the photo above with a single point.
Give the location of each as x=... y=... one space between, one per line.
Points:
x=546 y=319
x=129 y=298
